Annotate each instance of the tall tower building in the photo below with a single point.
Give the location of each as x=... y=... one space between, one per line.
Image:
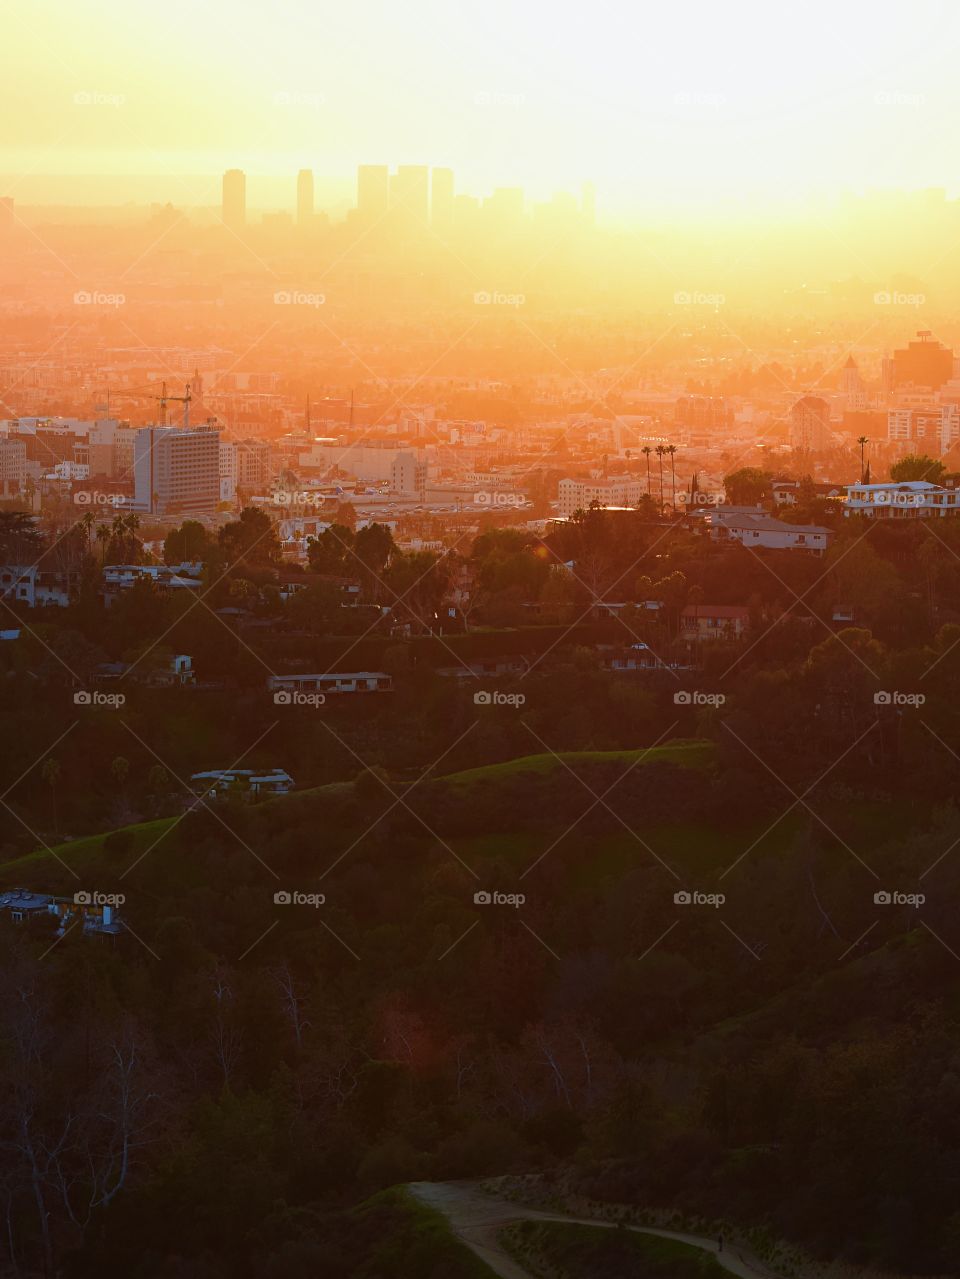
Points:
x=373 y=192
x=234 y=199
x=410 y=195
x=304 y=197
x=441 y=200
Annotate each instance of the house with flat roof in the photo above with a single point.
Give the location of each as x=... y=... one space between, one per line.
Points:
x=333 y=682
x=249 y=781
x=904 y=500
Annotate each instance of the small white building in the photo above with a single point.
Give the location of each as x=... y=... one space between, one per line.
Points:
x=907 y=500
x=30 y=585
x=248 y=780
x=336 y=682
x=763 y=531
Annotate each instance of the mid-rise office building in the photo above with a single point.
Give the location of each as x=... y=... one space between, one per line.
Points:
x=408 y=474
x=925 y=362
x=13 y=467
x=253 y=465
x=577 y=495
x=810 y=424
x=228 y=471
x=177 y=471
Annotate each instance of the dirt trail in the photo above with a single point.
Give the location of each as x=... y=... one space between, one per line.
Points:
x=477 y=1219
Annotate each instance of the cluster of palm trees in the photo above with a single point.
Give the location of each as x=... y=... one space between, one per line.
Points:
x=121 y=532
x=662 y=451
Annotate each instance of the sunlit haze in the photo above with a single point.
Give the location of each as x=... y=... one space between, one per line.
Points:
x=479 y=639
x=691 y=105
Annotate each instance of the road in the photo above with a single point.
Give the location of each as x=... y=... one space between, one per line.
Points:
x=477 y=1219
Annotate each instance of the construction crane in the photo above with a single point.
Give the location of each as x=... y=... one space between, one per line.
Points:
x=163 y=399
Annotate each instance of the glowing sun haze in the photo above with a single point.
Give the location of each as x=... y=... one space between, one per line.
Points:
x=660 y=105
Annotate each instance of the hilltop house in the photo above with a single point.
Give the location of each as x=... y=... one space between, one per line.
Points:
x=248 y=781
x=714 y=621
x=765 y=531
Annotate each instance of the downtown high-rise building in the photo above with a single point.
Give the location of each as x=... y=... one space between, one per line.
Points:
x=234 y=211
x=304 y=197
x=410 y=196
x=373 y=192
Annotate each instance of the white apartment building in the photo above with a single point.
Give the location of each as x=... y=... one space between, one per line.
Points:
x=228 y=471
x=110 y=449
x=911 y=499
x=936 y=427
x=177 y=472
x=576 y=495
x=28 y=585
x=810 y=424
x=408 y=474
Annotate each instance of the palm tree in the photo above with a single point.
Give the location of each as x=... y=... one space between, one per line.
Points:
x=672 y=450
x=86 y=524
x=660 y=450
x=103 y=537
x=646 y=451
x=862 y=441
x=131 y=523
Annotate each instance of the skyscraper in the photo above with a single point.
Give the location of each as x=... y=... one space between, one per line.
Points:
x=441 y=200
x=305 y=197
x=410 y=195
x=373 y=191
x=234 y=199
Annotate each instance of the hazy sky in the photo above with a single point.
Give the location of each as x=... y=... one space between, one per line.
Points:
x=659 y=105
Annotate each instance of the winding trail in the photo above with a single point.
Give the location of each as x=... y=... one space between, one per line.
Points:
x=477 y=1219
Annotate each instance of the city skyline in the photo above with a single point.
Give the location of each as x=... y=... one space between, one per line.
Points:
x=855 y=98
